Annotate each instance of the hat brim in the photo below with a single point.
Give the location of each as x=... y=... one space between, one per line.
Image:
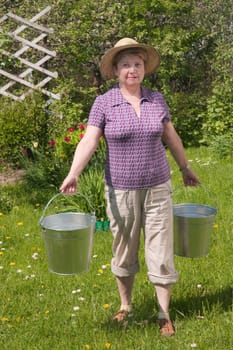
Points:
x=151 y=64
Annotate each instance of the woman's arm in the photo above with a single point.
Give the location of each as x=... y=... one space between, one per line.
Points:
x=82 y=155
x=175 y=145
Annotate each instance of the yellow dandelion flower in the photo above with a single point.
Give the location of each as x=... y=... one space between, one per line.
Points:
x=215 y=226
x=46 y=312
x=1 y=253
x=12 y=263
x=87 y=347
x=4 y=319
x=100 y=271
x=107 y=345
x=1 y=214
x=106 y=306
x=20 y=223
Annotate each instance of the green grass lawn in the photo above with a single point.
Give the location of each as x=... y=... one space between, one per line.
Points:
x=43 y=311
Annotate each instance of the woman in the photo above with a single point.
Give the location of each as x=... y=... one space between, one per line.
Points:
x=135 y=121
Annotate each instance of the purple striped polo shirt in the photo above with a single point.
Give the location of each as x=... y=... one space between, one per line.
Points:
x=136 y=157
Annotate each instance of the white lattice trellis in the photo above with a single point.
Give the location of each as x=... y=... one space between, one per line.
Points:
x=33 y=46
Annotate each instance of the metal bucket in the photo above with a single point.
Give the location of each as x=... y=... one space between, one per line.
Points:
x=193 y=225
x=68 y=239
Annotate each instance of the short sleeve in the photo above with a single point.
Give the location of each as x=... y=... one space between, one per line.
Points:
x=97 y=114
x=166 y=117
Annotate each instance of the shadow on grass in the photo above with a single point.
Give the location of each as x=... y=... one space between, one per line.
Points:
x=221 y=299
x=187 y=307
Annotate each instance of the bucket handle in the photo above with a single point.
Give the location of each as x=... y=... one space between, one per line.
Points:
x=61 y=194
x=211 y=195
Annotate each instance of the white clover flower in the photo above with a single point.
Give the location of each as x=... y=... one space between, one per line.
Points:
x=76 y=308
x=81 y=298
x=1 y=267
x=95 y=256
x=35 y=256
x=193 y=345
x=27 y=235
x=19 y=271
x=75 y=291
x=199 y=286
x=200 y=317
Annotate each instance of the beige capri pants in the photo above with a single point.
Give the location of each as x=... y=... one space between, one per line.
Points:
x=151 y=210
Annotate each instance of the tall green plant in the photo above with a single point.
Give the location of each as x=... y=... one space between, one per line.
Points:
x=21 y=124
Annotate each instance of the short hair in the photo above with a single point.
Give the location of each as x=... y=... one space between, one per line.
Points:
x=132 y=51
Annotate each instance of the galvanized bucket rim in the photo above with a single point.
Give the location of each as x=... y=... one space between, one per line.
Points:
x=180 y=205
x=43 y=219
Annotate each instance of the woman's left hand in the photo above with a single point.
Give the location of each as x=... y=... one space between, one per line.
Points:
x=189 y=178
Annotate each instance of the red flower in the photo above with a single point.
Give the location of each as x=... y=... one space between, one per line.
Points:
x=81 y=136
x=71 y=129
x=81 y=127
x=67 y=139
x=52 y=143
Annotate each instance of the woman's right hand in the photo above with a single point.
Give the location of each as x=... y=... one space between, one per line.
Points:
x=69 y=185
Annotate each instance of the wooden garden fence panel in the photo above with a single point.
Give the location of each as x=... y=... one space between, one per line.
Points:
x=34 y=46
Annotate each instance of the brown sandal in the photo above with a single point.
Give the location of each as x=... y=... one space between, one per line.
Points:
x=166 y=327
x=121 y=316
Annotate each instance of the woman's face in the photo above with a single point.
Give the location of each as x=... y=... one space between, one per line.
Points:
x=130 y=70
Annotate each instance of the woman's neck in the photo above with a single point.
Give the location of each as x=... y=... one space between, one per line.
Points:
x=134 y=92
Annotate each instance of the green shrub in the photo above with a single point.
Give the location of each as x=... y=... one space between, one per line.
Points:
x=222 y=146
x=65 y=145
x=6 y=202
x=218 y=119
x=91 y=185
x=185 y=112
x=219 y=115
x=46 y=167
x=21 y=123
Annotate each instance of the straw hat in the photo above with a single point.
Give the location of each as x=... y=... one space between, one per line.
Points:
x=152 y=61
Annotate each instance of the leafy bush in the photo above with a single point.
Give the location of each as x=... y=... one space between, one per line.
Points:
x=222 y=146
x=185 y=112
x=218 y=119
x=46 y=167
x=21 y=123
x=6 y=202
x=65 y=145
x=91 y=185
x=43 y=168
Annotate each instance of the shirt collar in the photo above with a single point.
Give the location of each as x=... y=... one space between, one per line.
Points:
x=116 y=97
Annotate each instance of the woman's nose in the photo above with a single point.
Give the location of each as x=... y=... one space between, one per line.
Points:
x=132 y=68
